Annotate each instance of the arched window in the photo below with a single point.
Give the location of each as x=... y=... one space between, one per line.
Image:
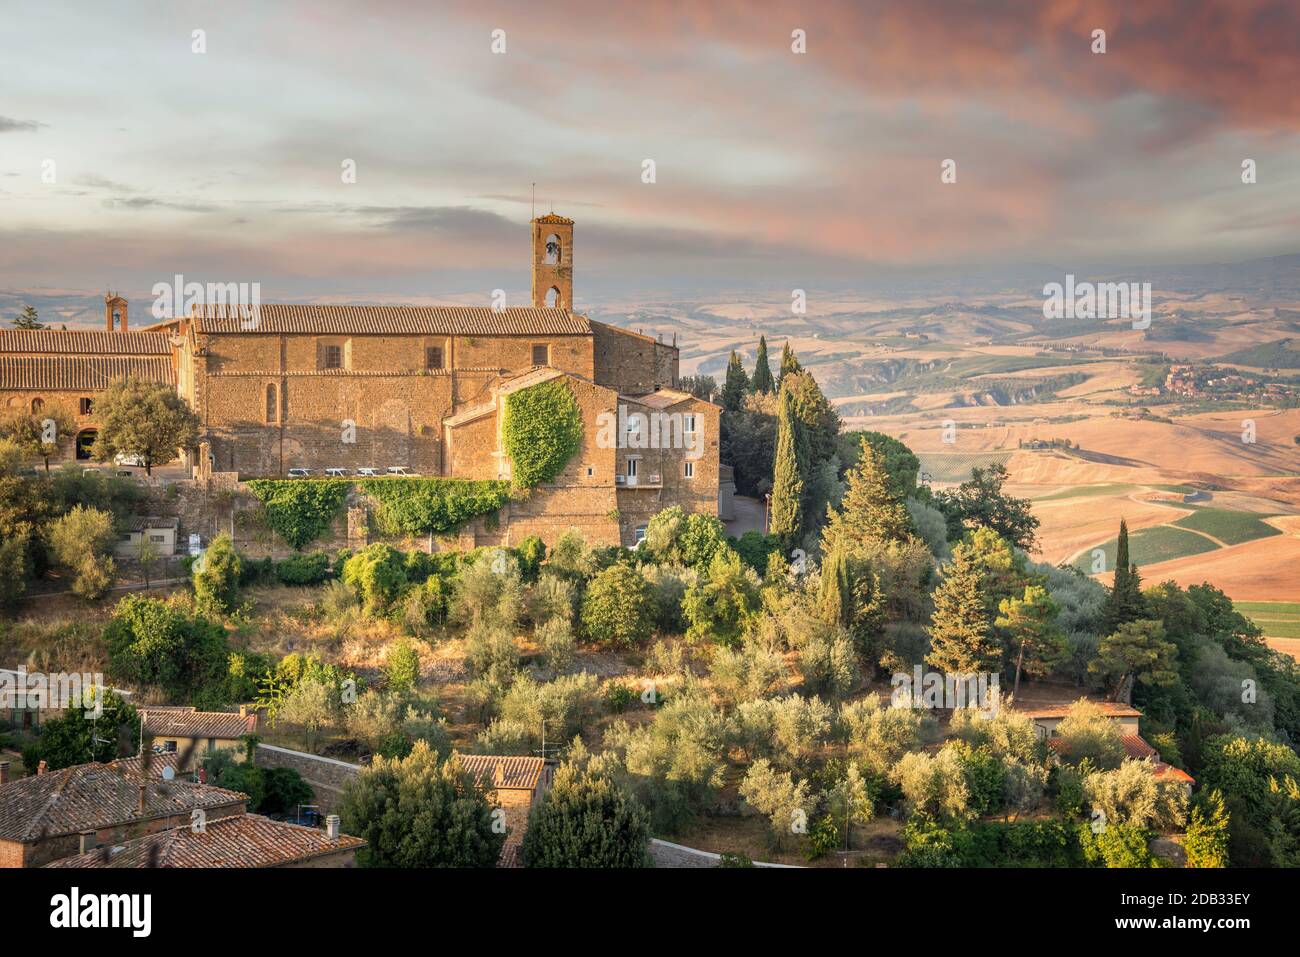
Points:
x=553 y=250
x=270 y=404
x=553 y=297
x=37 y=405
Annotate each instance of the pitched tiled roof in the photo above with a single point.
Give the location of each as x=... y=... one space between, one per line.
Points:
x=156 y=763
x=85 y=342
x=534 y=376
x=92 y=796
x=470 y=414
x=390 y=320
x=244 y=840
x=138 y=523
x=83 y=373
x=197 y=724
x=1136 y=747
x=663 y=399
x=511 y=772
x=1112 y=709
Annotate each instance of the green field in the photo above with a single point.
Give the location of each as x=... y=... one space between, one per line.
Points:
x=1279 y=619
x=1147 y=546
x=1228 y=526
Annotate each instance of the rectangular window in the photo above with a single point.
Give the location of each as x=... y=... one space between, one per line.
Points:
x=333 y=357
x=632 y=466
x=590 y=471
x=87 y=406
x=688 y=471
x=541 y=354
x=688 y=424
x=157 y=539
x=433 y=357
x=169 y=747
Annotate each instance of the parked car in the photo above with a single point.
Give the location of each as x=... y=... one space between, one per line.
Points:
x=124 y=473
x=372 y=473
x=400 y=470
x=337 y=473
x=133 y=460
x=299 y=473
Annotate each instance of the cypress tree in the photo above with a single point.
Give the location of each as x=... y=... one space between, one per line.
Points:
x=787 y=477
x=762 y=378
x=735 y=386
x=1125 y=602
x=835 y=597
x=788 y=363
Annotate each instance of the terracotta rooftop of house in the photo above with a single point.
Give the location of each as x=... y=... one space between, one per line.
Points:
x=138 y=523
x=244 y=840
x=149 y=765
x=85 y=342
x=1113 y=709
x=661 y=399
x=1135 y=746
x=82 y=373
x=390 y=320
x=197 y=724
x=513 y=772
x=91 y=796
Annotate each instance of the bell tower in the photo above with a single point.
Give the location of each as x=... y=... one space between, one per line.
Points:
x=114 y=312
x=553 y=261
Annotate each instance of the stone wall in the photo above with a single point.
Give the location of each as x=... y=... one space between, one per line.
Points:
x=326 y=776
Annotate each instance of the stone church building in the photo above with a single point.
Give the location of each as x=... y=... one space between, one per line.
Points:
x=279 y=387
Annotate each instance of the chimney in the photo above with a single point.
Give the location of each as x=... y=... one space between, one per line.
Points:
x=4 y=772
x=332 y=827
x=42 y=767
x=140 y=808
x=243 y=711
x=203 y=775
x=88 y=841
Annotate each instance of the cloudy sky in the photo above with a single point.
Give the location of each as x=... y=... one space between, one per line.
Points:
x=772 y=168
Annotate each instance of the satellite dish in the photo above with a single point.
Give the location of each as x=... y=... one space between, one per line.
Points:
x=169 y=773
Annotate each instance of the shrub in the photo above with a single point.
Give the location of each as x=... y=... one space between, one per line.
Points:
x=309 y=569
x=541 y=430
x=720 y=604
x=378 y=573
x=616 y=609
x=216 y=576
x=558 y=644
x=401 y=666
x=531 y=552
x=300 y=510
x=156 y=643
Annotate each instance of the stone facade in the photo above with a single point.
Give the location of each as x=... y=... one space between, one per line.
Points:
x=280 y=387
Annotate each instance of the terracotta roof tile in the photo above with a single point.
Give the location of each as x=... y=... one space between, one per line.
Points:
x=514 y=772
x=138 y=523
x=85 y=342
x=91 y=796
x=84 y=373
x=197 y=724
x=390 y=320
x=244 y=840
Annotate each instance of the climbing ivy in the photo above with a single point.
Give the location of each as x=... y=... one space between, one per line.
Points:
x=541 y=431
x=422 y=506
x=300 y=510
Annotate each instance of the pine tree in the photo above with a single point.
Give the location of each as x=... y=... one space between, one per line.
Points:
x=735 y=386
x=960 y=640
x=1125 y=602
x=28 y=319
x=1031 y=625
x=869 y=510
x=762 y=378
x=787 y=477
x=788 y=363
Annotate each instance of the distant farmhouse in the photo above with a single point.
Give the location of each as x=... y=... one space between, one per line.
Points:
x=281 y=387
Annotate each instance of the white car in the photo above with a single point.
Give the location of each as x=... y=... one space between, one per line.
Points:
x=134 y=461
x=337 y=473
x=400 y=470
x=299 y=473
x=372 y=473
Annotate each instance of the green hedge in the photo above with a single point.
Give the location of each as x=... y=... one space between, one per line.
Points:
x=415 y=506
x=541 y=431
x=300 y=510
